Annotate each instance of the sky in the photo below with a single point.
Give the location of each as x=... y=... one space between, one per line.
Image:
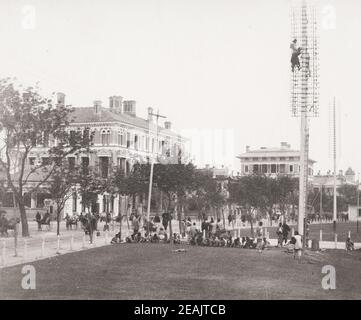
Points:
x=218 y=69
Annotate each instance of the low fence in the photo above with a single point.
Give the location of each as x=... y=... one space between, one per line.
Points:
x=31 y=249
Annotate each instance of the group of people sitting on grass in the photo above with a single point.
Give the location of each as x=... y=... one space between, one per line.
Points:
x=223 y=238
x=158 y=236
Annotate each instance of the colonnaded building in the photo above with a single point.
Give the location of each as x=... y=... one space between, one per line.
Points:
x=273 y=161
x=120 y=139
x=284 y=160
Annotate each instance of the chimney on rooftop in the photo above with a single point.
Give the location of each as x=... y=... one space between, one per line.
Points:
x=285 y=145
x=60 y=98
x=150 y=115
x=129 y=107
x=168 y=125
x=97 y=106
x=115 y=104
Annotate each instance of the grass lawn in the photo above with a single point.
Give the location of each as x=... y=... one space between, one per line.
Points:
x=153 y=271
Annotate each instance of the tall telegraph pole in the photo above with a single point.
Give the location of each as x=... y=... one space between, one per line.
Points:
x=304 y=91
x=334 y=168
x=157 y=115
x=358 y=198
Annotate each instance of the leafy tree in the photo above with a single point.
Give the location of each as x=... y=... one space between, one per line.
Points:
x=200 y=196
x=348 y=193
x=27 y=119
x=90 y=184
x=60 y=185
x=249 y=192
x=271 y=194
x=132 y=185
x=327 y=202
x=176 y=181
x=287 y=192
x=260 y=193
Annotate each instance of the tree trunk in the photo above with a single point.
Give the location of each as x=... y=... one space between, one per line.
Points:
x=90 y=227
x=120 y=227
x=180 y=222
x=57 y=223
x=24 y=220
x=179 y=213
x=127 y=211
x=15 y=228
x=250 y=216
x=224 y=220
x=170 y=231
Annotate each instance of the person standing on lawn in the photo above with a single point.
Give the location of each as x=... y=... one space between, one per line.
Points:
x=165 y=218
x=38 y=220
x=194 y=230
x=230 y=218
x=285 y=230
x=212 y=226
x=135 y=225
x=298 y=246
x=280 y=235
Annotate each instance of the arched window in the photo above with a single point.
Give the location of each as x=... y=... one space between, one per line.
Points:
x=75 y=197
x=105 y=136
x=128 y=140
x=136 y=142
x=121 y=138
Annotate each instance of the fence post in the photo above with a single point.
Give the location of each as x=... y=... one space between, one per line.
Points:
x=25 y=249
x=3 y=254
x=320 y=234
x=349 y=234
x=43 y=246
x=335 y=240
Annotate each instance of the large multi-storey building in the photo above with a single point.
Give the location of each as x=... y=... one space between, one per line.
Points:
x=120 y=139
x=326 y=182
x=273 y=161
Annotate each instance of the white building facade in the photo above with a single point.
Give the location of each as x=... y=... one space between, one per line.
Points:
x=273 y=161
x=120 y=139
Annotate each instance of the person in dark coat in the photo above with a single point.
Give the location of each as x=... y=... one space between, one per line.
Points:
x=156 y=218
x=165 y=220
x=38 y=220
x=285 y=230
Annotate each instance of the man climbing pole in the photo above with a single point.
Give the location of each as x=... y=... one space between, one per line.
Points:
x=295 y=53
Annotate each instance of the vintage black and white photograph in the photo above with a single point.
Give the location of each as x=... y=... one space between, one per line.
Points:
x=164 y=150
